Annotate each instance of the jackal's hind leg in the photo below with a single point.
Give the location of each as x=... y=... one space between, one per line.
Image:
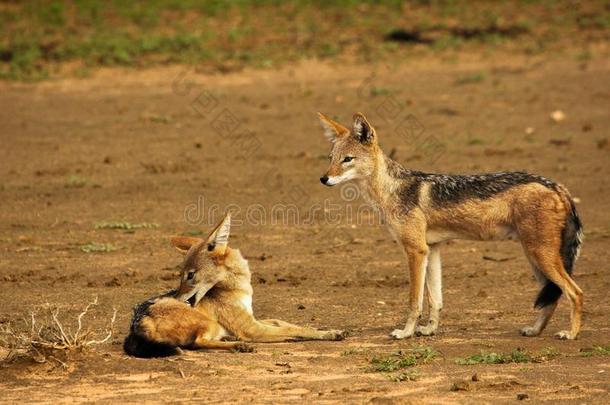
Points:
x=270 y=331
x=202 y=343
x=278 y=322
x=543 y=319
x=547 y=259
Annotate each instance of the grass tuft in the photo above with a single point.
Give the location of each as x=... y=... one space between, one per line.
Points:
x=515 y=356
x=400 y=359
x=76 y=181
x=97 y=248
x=596 y=350
x=125 y=226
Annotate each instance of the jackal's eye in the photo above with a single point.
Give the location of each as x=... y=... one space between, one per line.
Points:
x=190 y=275
x=347 y=159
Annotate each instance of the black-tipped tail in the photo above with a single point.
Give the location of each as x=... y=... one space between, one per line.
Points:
x=138 y=346
x=549 y=294
x=571 y=240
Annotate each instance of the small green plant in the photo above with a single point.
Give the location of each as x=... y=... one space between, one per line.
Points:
x=515 y=356
x=126 y=226
x=400 y=360
x=97 y=248
x=471 y=78
x=379 y=91
x=596 y=350
x=548 y=353
x=76 y=181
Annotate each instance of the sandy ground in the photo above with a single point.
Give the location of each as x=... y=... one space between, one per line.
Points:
x=177 y=148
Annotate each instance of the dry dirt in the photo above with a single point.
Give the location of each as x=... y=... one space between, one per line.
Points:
x=143 y=147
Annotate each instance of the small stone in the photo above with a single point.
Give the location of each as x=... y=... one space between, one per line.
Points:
x=529 y=131
x=522 y=396
x=558 y=116
x=475 y=377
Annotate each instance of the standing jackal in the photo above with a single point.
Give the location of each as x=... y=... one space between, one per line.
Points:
x=213 y=302
x=422 y=210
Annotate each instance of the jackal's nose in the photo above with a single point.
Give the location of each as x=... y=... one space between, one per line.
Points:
x=324 y=180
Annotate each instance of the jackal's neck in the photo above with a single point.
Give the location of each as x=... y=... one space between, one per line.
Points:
x=382 y=181
x=238 y=277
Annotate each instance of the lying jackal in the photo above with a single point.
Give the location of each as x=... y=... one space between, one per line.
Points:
x=213 y=302
x=422 y=210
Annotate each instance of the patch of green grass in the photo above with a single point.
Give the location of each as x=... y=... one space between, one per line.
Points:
x=97 y=248
x=37 y=36
x=597 y=350
x=76 y=181
x=126 y=226
x=402 y=359
x=515 y=356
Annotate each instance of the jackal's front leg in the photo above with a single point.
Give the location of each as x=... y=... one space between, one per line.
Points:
x=417 y=256
x=435 y=293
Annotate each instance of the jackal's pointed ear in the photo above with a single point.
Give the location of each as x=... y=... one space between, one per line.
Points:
x=218 y=240
x=184 y=243
x=332 y=129
x=363 y=131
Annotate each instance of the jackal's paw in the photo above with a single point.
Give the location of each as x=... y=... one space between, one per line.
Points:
x=335 y=335
x=243 y=348
x=400 y=334
x=529 y=331
x=565 y=335
x=427 y=330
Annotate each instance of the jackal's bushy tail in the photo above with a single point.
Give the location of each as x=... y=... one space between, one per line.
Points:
x=571 y=241
x=139 y=346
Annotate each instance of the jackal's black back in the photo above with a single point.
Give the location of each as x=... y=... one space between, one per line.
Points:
x=456 y=188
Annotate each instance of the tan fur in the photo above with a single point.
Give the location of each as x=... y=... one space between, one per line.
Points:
x=530 y=213
x=224 y=310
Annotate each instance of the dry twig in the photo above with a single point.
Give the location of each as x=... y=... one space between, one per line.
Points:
x=45 y=335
